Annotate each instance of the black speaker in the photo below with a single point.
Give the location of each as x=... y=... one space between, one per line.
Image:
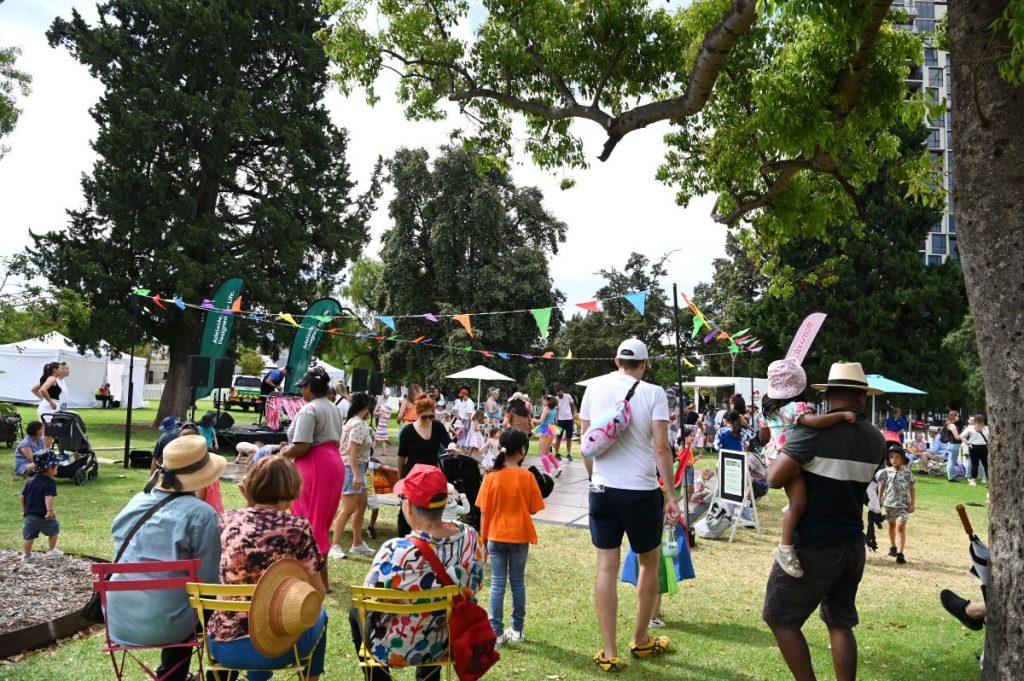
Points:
x=223 y=370
x=224 y=421
x=359 y=377
x=376 y=383
x=198 y=371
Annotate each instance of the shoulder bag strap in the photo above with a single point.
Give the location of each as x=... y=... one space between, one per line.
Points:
x=142 y=521
x=632 y=390
x=435 y=563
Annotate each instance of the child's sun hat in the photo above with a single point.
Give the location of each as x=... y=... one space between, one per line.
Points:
x=786 y=379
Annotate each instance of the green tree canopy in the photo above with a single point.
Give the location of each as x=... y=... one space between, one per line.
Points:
x=216 y=158
x=463 y=241
x=13 y=81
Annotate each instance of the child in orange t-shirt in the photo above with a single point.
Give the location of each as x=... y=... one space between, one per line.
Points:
x=507 y=499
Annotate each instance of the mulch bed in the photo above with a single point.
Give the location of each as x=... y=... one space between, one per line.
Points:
x=37 y=592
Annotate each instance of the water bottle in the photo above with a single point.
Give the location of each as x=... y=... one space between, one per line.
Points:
x=669 y=545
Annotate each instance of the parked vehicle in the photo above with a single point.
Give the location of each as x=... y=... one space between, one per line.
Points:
x=243 y=393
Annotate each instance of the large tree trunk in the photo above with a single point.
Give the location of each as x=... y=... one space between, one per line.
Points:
x=988 y=150
x=176 y=396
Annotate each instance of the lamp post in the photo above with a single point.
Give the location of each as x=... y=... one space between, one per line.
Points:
x=131 y=381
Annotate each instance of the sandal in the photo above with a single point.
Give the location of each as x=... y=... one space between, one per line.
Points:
x=656 y=645
x=608 y=664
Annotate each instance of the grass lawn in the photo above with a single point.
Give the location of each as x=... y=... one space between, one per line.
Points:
x=714 y=622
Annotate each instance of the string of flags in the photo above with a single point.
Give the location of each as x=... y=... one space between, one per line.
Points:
x=742 y=340
x=542 y=316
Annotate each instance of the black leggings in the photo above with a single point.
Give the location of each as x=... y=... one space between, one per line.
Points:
x=979 y=455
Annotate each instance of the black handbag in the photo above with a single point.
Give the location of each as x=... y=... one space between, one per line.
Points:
x=92 y=611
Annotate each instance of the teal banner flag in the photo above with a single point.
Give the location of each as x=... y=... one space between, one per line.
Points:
x=307 y=338
x=217 y=332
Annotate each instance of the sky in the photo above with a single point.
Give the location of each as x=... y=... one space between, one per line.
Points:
x=616 y=207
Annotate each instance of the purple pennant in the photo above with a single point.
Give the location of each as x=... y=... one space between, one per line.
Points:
x=707 y=338
x=526 y=356
x=424 y=342
x=757 y=349
x=659 y=356
x=430 y=317
x=207 y=304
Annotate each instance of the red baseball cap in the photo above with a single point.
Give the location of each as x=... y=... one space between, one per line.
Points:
x=425 y=486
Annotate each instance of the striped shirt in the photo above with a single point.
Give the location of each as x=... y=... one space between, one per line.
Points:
x=838 y=463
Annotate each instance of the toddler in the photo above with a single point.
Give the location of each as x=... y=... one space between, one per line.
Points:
x=458 y=504
x=37 y=506
x=490 y=450
x=704 y=488
x=896 y=490
x=786 y=382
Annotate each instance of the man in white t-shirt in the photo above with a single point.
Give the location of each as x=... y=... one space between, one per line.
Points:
x=566 y=417
x=625 y=498
x=464 y=406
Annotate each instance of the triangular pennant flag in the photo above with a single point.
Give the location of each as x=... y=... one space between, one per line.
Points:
x=330 y=330
x=693 y=308
x=637 y=300
x=237 y=305
x=662 y=356
x=707 y=338
x=156 y=300
x=723 y=335
x=548 y=355
x=467 y=348
x=464 y=320
x=378 y=338
x=426 y=341
x=590 y=306
x=391 y=338
x=141 y=291
x=697 y=324
x=733 y=348
x=757 y=349
x=746 y=339
x=568 y=355
x=257 y=317
x=487 y=354
x=687 y=362
x=388 y=321
x=207 y=304
x=740 y=333
x=430 y=318
x=179 y=302
x=288 y=318
x=542 y=315
x=503 y=355
x=526 y=356
x=418 y=339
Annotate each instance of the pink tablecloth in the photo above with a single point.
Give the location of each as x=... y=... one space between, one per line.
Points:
x=278 y=403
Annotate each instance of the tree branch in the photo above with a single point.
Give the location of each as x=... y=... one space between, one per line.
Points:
x=533 y=107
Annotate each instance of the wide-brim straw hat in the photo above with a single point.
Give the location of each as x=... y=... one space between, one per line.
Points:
x=847 y=375
x=188 y=465
x=284 y=605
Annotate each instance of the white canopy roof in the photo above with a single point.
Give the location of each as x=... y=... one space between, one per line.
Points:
x=481 y=373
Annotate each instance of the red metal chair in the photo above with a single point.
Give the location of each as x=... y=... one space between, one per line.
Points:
x=120 y=654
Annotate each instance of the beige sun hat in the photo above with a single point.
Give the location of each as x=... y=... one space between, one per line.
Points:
x=847 y=375
x=187 y=466
x=284 y=605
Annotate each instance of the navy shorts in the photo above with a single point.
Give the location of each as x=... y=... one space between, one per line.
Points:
x=566 y=427
x=33 y=526
x=637 y=514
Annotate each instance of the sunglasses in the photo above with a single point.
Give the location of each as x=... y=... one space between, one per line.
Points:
x=427 y=417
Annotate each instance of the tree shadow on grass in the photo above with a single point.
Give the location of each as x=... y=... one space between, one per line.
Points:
x=732 y=633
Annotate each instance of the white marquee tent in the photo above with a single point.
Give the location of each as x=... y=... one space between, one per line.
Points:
x=21 y=365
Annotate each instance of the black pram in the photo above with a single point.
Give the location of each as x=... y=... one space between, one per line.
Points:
x=463 y=472
x=77 y=460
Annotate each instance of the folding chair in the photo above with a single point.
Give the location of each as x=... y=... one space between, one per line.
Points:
x=119 y=654
x=396 y=602
x=206 y=599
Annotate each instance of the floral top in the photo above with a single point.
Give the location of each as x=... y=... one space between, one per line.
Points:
x=780 y=423
x=398 y=641
x=897 y=486
x=251 y=540
x=356 y=430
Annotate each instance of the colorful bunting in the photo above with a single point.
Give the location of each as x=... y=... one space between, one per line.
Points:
x=156 y=301
x=467 y=348
x=288 y=318
x=698 y=324
x=430 y=318
x=487 y=354
x=637 y=300
x=323 y=319
x=707 y=338
x=503 y=355
x=661 y=356
x=568 y=355
x=590 y=306
x=740 y=333
x=464 y=320
x=141 y=291
x=733 y=348
x=388 y=321
x=548 y=355
x=526 y=356
x=542 y=315
x=688 y=363
x=237 y=305
x=207 y=304
x=417 y=340
x=178 y=301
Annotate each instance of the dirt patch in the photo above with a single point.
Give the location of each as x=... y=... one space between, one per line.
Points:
x=40 y=591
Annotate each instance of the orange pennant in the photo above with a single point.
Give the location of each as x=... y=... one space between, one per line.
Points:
x=723 y=335
x=548 y=355
x=464 y=320
x=237 y=305
x=418 y=339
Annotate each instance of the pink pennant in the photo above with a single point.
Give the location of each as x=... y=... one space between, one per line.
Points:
x=548 y=355
x=156 y=301
x=430 y=317
x=590 y=306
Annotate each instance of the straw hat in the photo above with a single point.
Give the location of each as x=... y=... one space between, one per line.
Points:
x=847 y=375
x=187 y=466
x=284 y=605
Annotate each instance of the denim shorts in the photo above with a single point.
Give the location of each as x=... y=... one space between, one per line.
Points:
x=347 y=489
x=33 y=526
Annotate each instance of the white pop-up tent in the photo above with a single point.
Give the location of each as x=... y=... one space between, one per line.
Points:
x=480 y=373
x=21 y=366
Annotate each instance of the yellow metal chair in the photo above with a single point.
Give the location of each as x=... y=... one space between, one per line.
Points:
x=206 y=599
x=397 y=602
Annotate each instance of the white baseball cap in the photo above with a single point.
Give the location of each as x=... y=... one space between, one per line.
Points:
x=631 y=348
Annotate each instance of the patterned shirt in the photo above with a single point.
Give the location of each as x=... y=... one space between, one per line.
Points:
x=398 y=641
x=780 y=423
x=356 y=431
x=897 y=486
x=252 y=539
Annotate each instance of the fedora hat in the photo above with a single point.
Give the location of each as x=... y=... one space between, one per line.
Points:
x=187 y=466
x=847 y=375
x=284 y=605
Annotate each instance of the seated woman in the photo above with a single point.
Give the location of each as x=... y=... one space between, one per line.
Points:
x=417 y=639
x=28 y=448
x=252 y=539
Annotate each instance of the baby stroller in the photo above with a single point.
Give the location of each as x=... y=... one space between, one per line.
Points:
x=10 y=428
x=463 y=472
x=77 y=460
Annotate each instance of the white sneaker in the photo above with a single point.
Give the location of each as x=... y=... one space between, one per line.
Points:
x=788 y=561
x=363 y=549
x=54 y=553
x=336 y=552
x=513 y=636
x=656 y=623
x=972 y=483
x=500 y=641
x=558 y=472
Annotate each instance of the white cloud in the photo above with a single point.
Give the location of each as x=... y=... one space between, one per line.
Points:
x=616 y=207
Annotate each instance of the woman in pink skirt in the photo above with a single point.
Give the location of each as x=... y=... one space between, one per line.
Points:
x=313 y=445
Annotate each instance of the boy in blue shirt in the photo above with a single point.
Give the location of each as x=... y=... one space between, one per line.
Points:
x=37 y=506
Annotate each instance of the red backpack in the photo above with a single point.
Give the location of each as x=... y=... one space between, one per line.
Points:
x=472 y=638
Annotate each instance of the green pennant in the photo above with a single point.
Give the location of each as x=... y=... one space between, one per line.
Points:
x=391 y=338
x=141 y=291
x=467 y=348
x=698 y=324
x=542 y=315
x=323 y=318
x=733 y=348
